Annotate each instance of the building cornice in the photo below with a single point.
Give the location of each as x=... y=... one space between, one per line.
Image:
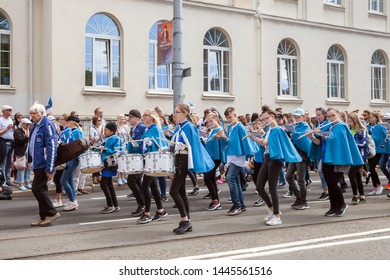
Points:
x=323 y=25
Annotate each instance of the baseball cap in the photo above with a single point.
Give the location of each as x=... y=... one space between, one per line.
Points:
x=26 y=121
x=387 y=116
x=6 y=107
x=298 y=112
x=135 y=113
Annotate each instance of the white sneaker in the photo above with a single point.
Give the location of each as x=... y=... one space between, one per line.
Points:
x=57 y=203
x=379 y=190
x=70 y=206
x=269 y=217
x=124 y=180
x=373 y=192
x=274 y=221
x=119 y=181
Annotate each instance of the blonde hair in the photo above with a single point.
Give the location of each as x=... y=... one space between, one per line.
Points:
x=154 y=115
x=357 y=124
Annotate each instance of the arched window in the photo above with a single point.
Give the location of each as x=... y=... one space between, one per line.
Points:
x=287 y=69
x=378 y=76
x=216 y=61
x=5 y=50
x=336 y=73
x=160 y=76
x=102 y=52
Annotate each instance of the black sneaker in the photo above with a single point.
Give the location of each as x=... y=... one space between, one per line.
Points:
x=214 y=206
x=131 y=196
x=355 y=200
x=341 y=211
x=259 y=203
x=330 y=213
x=140 y=210
x=388 y=195
x=234 y=210
x=184 y=226
x=207 y=196
x=194 y=192
x=364 y=200
x=158 y=215
x=164 y=198
x=295 y=203
x=368 y=178
x=324 y=196
x=300 y=206
x=144 y=219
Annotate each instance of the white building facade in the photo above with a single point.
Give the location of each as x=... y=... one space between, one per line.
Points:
x=243 y=53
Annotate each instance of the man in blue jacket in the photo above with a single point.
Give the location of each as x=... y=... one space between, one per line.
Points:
x=42 y=153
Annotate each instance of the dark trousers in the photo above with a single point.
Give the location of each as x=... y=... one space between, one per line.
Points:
x=372 y=163
x=56 y=179
x=269 y=171
x=192 y=176
x=40 y=191
x=332 y=179
x=300 y=189
x=356 y=180
x=134 y=181
x=178 y=186
x=109 y=191
x=256 y=170
x=150 y=183
x=209 y=180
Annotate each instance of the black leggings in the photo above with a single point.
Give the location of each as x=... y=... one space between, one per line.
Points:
x=256 y=170
x=269 y=172
x=150 y=183
x=372 y=163
x=178 y=185
x=134 y=181
x=56 y=180
x=332 y=179
x=356 y=180
x=109 y=191
x=209 y=180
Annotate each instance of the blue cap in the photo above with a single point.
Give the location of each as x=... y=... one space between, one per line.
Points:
x=298 y=112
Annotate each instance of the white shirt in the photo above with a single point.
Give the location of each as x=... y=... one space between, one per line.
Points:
x=9 y=134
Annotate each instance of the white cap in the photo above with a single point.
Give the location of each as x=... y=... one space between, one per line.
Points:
x=298 y=112
x=6 y=107
x=26 y=121
x=387 y=116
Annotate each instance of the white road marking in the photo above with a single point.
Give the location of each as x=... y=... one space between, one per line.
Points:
x=293 y=246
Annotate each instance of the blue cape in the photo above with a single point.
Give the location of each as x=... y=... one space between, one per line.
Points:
x=236 y=146
x=280 y=146
x=153 y=132
x=198 y=158
x=341 y=148
x=315 y=151
x=214 y=146
x=379 y=135
x=304 y=143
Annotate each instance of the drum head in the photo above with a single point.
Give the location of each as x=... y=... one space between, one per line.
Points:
x=91 y=170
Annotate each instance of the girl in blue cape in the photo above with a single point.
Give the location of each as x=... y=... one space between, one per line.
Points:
x=189 y=155
x=151 y=143
x=278 y=149
x=111 y=145
x=340 y=152
x=216 y=149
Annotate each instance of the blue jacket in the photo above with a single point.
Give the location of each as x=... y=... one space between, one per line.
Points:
x=44 y=147
x=136 y=134
x=153 y=132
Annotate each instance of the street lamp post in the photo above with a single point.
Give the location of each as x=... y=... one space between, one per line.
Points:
x=177 y=64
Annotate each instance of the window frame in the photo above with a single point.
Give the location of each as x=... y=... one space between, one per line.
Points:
x=6 y=33
x=340 y=73
x=379 y=6
x=293 y=90
x=382 y=79
x=155 y=75
x=223 y=52
x=333 y=2
x=110 y=42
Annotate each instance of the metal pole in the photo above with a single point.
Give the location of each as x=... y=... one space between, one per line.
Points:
x=177 y=64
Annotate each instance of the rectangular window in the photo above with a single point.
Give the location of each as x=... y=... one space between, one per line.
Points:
x=375 y=6
x=336 y=82
x=335 y=2
x=216 y=70
x=378 y=83
x=159 y=75
x=287 y=72
x=89 y=62
x=5 y=63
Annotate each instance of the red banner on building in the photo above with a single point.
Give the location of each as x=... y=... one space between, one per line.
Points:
x=164 y=43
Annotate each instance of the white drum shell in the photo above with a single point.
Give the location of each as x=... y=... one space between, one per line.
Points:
x=159 y=164
x=90 y=162
x=131 y=163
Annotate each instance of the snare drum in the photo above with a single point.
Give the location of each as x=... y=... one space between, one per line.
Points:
x=131 y=164
x=159 y=164
x=90 y=162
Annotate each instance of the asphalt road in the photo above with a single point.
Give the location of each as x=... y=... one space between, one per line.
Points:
x=362 y=233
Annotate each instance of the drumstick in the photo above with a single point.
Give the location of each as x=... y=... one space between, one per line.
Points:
x=175 y=143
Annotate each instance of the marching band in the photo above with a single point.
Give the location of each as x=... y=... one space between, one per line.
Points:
x=156 y=149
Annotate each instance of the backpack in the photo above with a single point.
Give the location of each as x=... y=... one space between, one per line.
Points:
x=371 y=147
